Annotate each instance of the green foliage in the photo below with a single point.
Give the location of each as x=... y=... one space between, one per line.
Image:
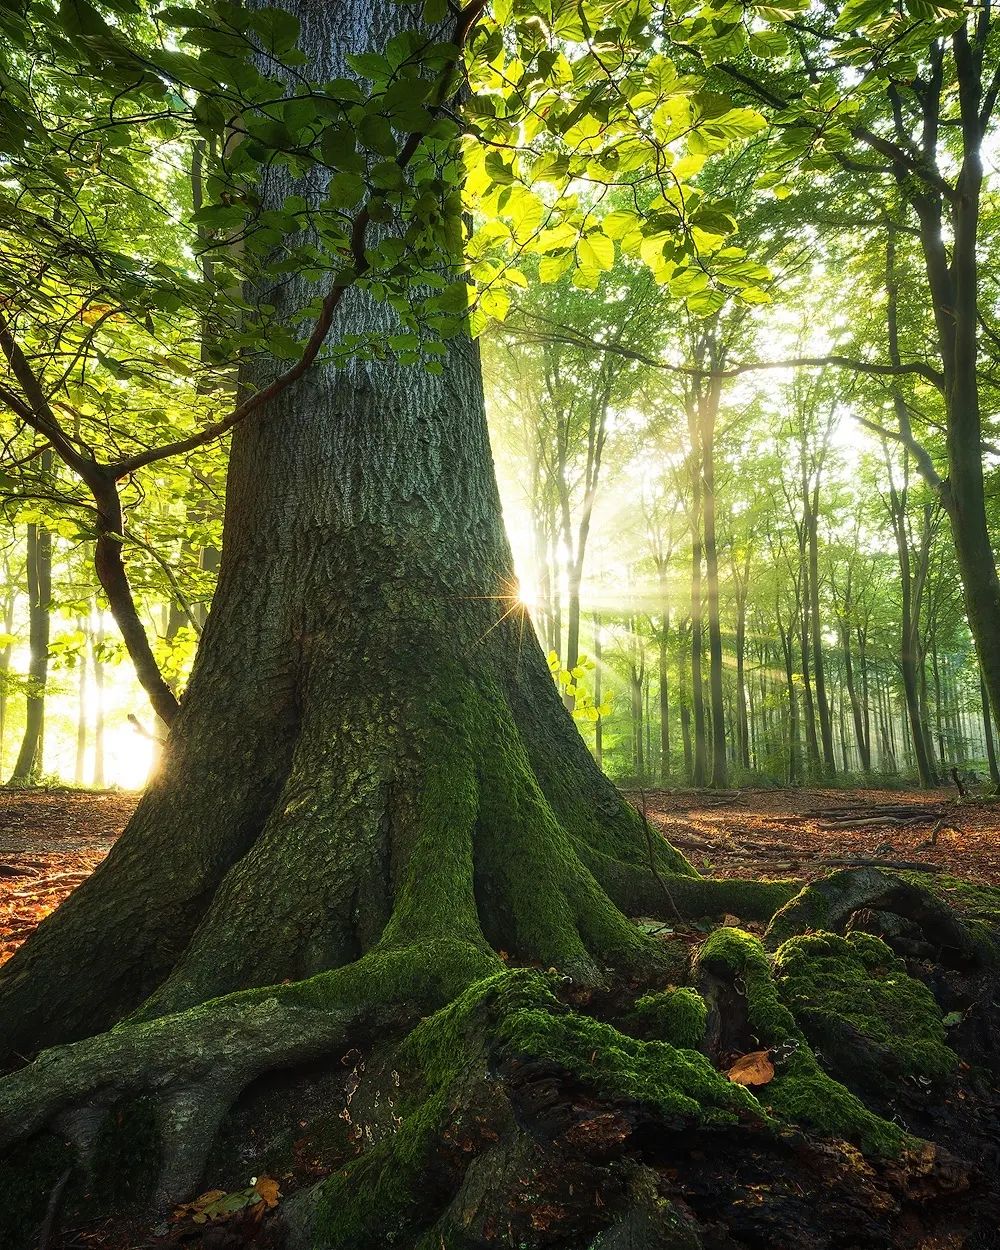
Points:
x=572 y=683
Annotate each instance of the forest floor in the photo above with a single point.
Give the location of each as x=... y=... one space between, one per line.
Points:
x=50 y=840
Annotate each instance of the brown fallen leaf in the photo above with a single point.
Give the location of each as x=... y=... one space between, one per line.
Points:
x=752 y=1069
x=216 y=1204
x=268 y=1189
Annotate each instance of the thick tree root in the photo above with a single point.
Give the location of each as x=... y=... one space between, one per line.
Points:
x=195 y=1064
x=829 y=904
x=507 y=1118
x=521 y=1123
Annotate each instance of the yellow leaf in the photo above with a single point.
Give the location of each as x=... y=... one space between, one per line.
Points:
x=752 y=1069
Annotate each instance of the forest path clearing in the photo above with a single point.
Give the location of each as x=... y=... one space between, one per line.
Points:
x=50 y=840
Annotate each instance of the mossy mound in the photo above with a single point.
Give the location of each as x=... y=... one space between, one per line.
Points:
x=853 y=994
x=450 y=1107
x=676 y=1016
x=508 y=1086
x=678 y=1083
x=976 y=904
x=801 y=1093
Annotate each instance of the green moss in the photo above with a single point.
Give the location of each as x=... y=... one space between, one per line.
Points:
x=636 y=891
x=540 y=898
x=395 y=1187
x=680 y=1084
x=806 y=910
x=977 y=905
x=801 y=1092
x=677 y=1016
x=830 y=981
x=754 y=899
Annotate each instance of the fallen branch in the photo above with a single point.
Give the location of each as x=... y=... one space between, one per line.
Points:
x=874 y=822
x=916 y=811
x=14 y=870
x=869 y=861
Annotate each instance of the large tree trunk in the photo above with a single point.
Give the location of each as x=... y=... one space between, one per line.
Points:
x=367 y=693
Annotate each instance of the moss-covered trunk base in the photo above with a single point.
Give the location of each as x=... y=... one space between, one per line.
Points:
x=537 y=1111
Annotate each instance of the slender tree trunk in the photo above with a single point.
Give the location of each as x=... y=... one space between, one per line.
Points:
x=6 y=649
x=39 y=568
x=707 y=410
x=991 y=751
x=81 y=705
x=811 y=521
x=857 y=713
x=685 y=687
x=96 y=646
x=865 y=699
x=700 y=769
x=664 y=688
x=742 y=719
x=812 y=741
x=794 y=758
x=598 y=692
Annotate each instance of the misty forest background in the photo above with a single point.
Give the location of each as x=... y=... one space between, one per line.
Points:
x=719 y=486
x=737 y=583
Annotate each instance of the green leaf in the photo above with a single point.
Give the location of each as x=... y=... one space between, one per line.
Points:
x=596 y=251
x=345 y=190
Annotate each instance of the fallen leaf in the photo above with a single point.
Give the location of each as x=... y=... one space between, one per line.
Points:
x=752 y=1069
x=268 y=1190
x=216 y=1204
x=199 y=1204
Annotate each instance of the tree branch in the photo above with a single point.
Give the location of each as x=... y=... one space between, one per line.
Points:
x=564 y=334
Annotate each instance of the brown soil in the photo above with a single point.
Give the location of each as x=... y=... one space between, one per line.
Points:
x=765 y=833
x=50 y=841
